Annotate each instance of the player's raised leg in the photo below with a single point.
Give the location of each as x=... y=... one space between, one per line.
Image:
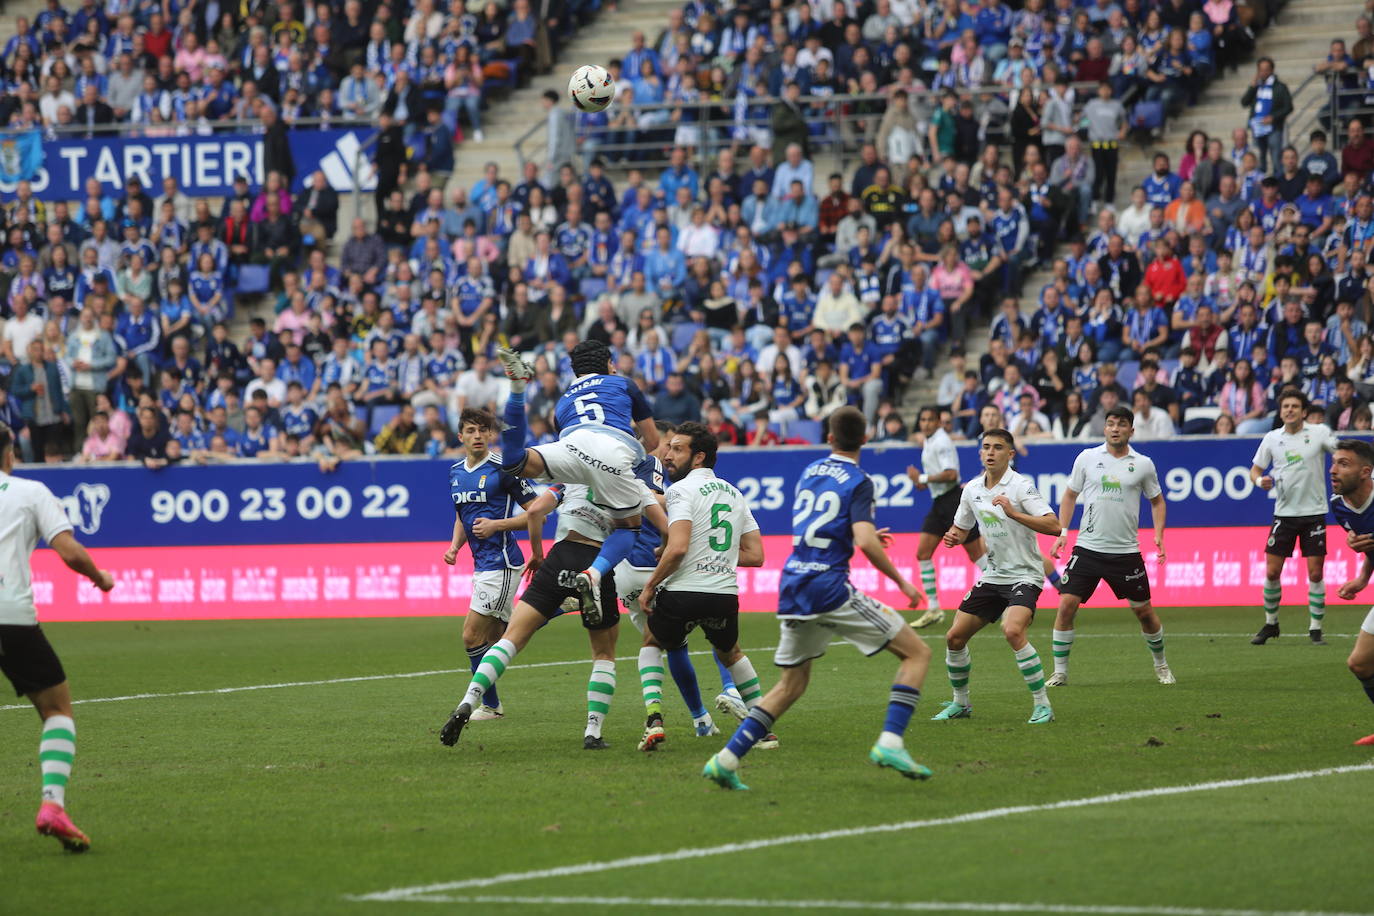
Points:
x=1361 y=664
x=479 y=634
x=523 y=623
x=959 y=665
x=56 y=753
x=723 y=767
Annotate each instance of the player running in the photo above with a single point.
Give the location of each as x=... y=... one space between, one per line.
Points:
x=480 y=489
x=552 y=585
x=1011 y=513
x=832 y=513
x=1353 y=509
x=598 y=418
x=940 y=473
x=711 y=533
x=1295 y=451
x=28 y=513
x=1111 y=479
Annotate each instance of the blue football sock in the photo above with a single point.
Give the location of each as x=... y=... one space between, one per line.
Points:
x=475 y=659
x=750 y=732
x=685 y=676
x=727 y=683
x=517 y=429
x=900 y=705
x=616 y=548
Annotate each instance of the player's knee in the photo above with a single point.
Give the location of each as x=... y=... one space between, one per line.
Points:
x=955 y=641
x=1362 y=666
x=1014 y=631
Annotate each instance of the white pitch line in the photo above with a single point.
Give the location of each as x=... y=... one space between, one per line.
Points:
x=701 y=852
x=623 y=658
x=917 y=906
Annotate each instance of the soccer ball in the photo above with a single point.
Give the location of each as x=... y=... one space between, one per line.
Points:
x=591 y=88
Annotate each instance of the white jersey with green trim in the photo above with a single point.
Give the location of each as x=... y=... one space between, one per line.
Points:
x=1013 y=551
x=1297 y=462
x=28 y=512
x=938 y=455
x=720 y=516
x=1109 y=490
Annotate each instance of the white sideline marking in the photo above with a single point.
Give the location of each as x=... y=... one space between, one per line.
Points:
x=582 y=661
x=700 y=852
x=736 y=903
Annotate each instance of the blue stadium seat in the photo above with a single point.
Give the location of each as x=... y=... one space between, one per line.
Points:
x=254 y=279
x=382 y=414
x=1126 y=373
x=591 y=287
x=810 y=430
x=682 y=335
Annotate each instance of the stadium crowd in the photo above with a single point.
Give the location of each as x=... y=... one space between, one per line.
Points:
x=736 y=294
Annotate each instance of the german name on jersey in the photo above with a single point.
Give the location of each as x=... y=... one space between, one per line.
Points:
x=1013 y=552
x=1298 y=468
x=642 y=555
x=486 y=491
x=939 y=455
x=1109 y=490
x=830 y=497
x=720 y=516
x=28 y=512
x=607 y=402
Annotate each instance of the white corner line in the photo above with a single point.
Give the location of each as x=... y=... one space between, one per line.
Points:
x=918 y=906
x=701 y=852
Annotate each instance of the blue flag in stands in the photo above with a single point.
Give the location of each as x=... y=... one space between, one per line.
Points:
x=21 y=156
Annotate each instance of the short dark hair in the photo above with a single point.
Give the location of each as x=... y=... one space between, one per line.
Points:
x=1361 y=449
x=664 y=427
x=847 y=428
x=476 y=416
x=1289 y=394
x=590 y=357
x=700 y=440
x=1003 y=434
x=1124 y=413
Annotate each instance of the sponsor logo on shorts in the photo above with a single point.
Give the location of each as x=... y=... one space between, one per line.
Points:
x=1135 y=575
x=595 y=463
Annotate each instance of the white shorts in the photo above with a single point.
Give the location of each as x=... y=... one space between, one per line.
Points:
x=629 y=583
x=493 y=592
x=865 y=623
x=603 y=462
x=1367 y=626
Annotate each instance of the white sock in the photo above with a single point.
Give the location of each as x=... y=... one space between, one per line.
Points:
x=958 y=664
x=928 y=584
x=726 y=758
x=1028 y=660
x=1273 y=592
x=1061 y=646
x=1156 y=643
x=489 y=671
x=891 y=741
x=747 y=681
x=55 y=753
x=600 y=690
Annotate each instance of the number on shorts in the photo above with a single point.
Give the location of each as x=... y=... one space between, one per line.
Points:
x=588 y=410
x=721 y=543
x=827 y=509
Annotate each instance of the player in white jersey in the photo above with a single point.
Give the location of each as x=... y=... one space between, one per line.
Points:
x=1111 y=478
x=29 y=513
x=1291 y=461
x=1011 y=512
x=710 y=534
x=940 y=473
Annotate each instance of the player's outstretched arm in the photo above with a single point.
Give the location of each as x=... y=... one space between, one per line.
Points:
x=542 y=506
x=751 y=549
x=656 y=515
x=79 y=561
x=1066 y=509
x=1157 y=512
x=674 y=549
x=867 y=540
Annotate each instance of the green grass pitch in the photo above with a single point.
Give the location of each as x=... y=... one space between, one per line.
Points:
x=301 y=799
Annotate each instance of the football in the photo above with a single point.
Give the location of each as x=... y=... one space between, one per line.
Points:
x=591 y=88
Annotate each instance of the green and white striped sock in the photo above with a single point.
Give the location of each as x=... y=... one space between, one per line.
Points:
x=1061 y=646
x=55 y=754
x=493 y=666
x=1156 y=643
x=928 y=583
x=651 y=679
x=600 y=691
x=1028 y=660
x=958 y=664
x=1316 y=604
x=1273 y=591
x=747 y=681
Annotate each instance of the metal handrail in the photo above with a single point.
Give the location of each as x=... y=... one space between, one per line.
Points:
x=247 y=125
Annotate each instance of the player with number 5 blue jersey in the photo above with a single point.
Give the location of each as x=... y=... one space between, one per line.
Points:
x=832 y=513
x=601 y=419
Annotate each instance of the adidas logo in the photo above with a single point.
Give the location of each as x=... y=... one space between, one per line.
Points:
x=339 y=165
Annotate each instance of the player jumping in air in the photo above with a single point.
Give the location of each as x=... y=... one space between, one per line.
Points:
x=598 y=418
x=1010 y=512
x=710 y=534
x=940 y=473
x=1352 y=506
x=832 y=513
x=28 y=513
x=1296 y=452
x=480 y=489
x=1110 y=478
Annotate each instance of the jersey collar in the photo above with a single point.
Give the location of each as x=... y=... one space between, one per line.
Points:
x=1360 y=509
x=471 y=468
x=844 y=458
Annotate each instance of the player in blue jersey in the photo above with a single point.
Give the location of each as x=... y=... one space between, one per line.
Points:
x=481 y=490
x=1352 y=507
x=601 y=419
x=832 y=513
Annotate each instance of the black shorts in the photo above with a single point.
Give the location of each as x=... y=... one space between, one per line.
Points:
x=1123 y=572
x=940 y=518
x=1307 y=531
x=678 y=613
x=28 y=659
x=555 y=581
x=988 y=601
